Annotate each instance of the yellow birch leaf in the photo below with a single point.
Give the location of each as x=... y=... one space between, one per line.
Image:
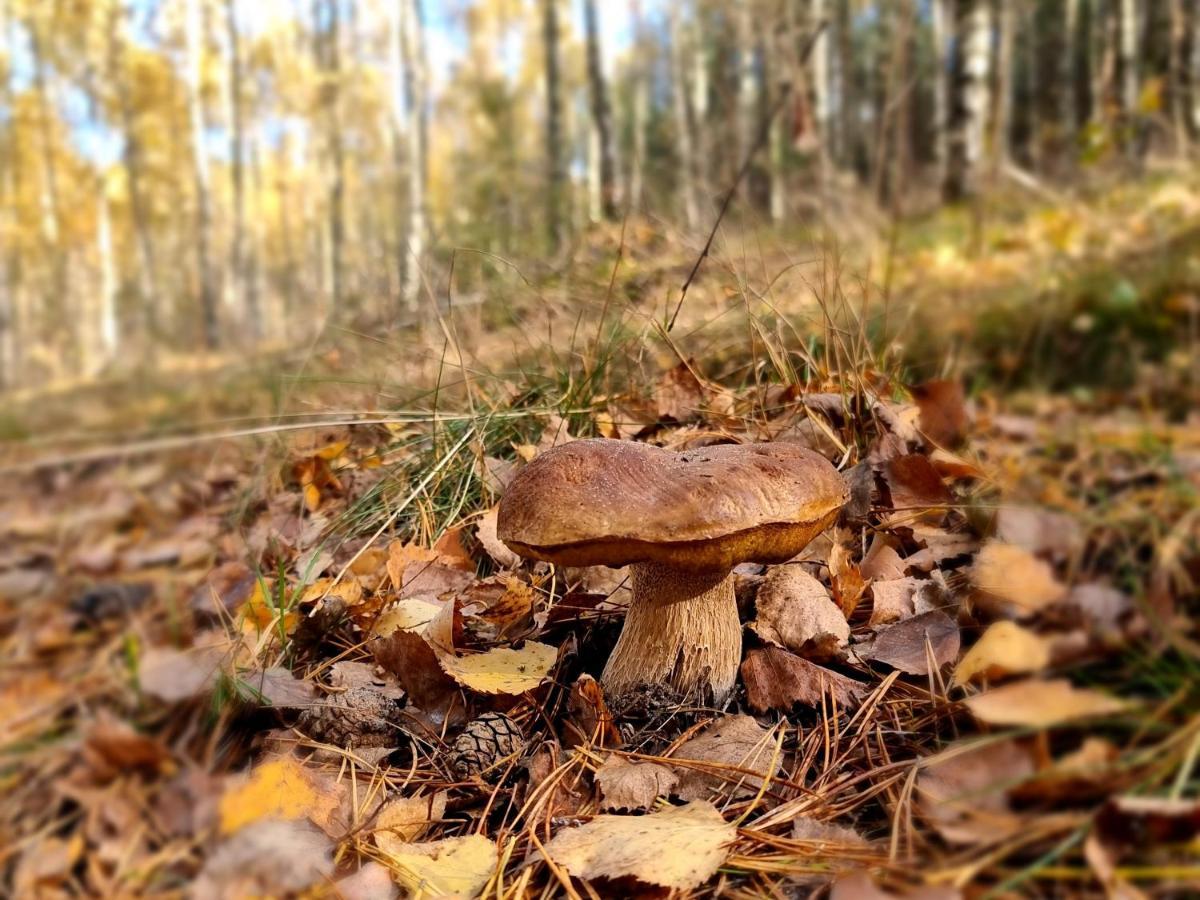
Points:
x=458 y=866
x=1006 y=648
x=502 y=670
x=680 y=847
x=279 y=789
x=1035 y=703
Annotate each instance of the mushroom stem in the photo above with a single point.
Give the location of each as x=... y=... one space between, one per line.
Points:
x=682 y=629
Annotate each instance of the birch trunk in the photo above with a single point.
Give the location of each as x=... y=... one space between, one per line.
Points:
x=639 y=105
x=244 y=296
x=939 y=18
x=108 y=325
x=601 y=115
x=416 y=104
x=699 y=106
x=969 y=103
x=555 y=176
x=194 y=47
x=686 y=170
x=1127 y=72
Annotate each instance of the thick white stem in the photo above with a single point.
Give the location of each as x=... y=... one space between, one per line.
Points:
x=682 y=629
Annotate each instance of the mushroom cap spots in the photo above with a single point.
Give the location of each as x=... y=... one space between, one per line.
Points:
x=609 y=502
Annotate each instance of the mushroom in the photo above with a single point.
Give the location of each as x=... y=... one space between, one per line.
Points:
x=681 y=522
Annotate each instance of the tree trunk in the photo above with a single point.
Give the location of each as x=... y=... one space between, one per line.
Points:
x=555 y=176
x=848 y=118
x=680 y=102
x=194 y=44
x=416 y=106
x=700 y=124
x=1002 y=85
x=1192 y=32
x=1177 y=77
x=639 y=105
x=969 y=98
x=1127 y=74
x=822 y=108
x=747 y=84
x=601 y=114
x=245 y=297
x=108 y=327
x=327 y=45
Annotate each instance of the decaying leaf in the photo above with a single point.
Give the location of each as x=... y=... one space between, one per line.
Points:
x=502 y=670
x=485 y=532
x=1005 y=648
x=892 y=600
x=859 y=886
x=457 y=866
x=805 y=828
x=627 y=786
x=277 y=789
x=266 y=858
x=963 y=791
x=846 y=579
x=678 y=847
x=174 y=675
x=1037 y=703
x=402 y=820
x=796 y=612
x=1149 y=821
x=1039 y=531
x=1012 y=581
x=881 y=561
x=912 y=645
x=917 y=491
x=591 y=721
x=733 y=748
x=776 y=679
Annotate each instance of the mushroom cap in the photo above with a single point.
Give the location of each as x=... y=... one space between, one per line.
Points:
x=610 y=502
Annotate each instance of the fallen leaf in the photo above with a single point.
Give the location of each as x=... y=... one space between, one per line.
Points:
x=846 y=579
x=276 y=687
x=485 y=532
x=1005 y=648
x=727 y=746
x=892 y=600
x=917 y=490
x=678 y=847
x=269 y=858
x=881 y=561
x=1102 y=605
x=457 y=866
x=371 y=882
x=1039 y=531
x=943 y=411
x=796 y=612
x=402 y=820
x=112 y=746
x=433 y=580
x=1012 y=581
x=776 y=679
x=910 y=645
x=963 y=791
x=859 y=886
x=174 y=675
x=632 y=786
x=401 y=556
x=591 y=721
x=401 y=644
x=1149 y=821
x=279 y=789
x=1037 y=703
x=502 y=670
x=808 y=829
x=452 y=552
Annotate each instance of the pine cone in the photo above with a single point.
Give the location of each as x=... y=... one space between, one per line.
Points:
x=358 y=717
x=486 y=746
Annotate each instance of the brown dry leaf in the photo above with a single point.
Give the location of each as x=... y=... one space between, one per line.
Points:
x=943 y=411
x=371 y=882
x=403 y=644
x=502 y=670
x=348 y=590
x=808 y=829
x=963 y=791
x=796 y=612
x=776 y=679
x=277 y=789
x=485 y=532
x=632 y=786
x=1039 y=531
x=680 y=395
x=451 y=551
x=512 y=607
x=401 y=556
x=678 y=847
x=846 y=579
x=402 y=820
x=269 y=858
x=433 y=581
x=1149 y=821
x=917 y=490
x=457 y=866
x=175 y=675
x=591 y=720
x=1012 y=581
x=1005 y=648
x=1103 y=605
x=1037 y=703
x=732 y=741
x=277 y=687
x=881 y=561
x=952 y=466
x=910 y=645
x=893 y=600
x=112 y=747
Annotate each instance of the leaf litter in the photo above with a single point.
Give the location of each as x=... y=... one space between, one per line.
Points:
x=412 y=709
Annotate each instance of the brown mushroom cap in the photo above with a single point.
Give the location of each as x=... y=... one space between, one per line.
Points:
x=609 y=502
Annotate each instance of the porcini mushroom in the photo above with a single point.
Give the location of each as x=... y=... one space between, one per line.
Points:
x=681 y=521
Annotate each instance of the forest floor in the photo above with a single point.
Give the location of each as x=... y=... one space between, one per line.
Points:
x=258 y=635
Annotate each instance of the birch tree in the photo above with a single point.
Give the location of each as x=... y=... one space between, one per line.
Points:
x=416 y=81
x=969 y=98
x=205 y=275
x=242 y=285
x=555 y=175
x=602 y=155
x=680 y=103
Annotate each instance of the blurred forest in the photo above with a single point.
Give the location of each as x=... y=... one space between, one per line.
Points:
x=228 y=174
